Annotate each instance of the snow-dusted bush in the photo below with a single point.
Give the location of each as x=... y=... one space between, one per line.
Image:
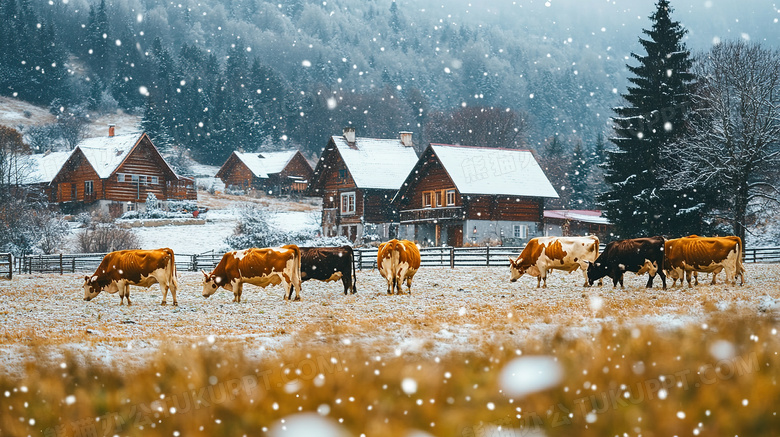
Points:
x=326 y=242
x=255 y=229
x=105 y=237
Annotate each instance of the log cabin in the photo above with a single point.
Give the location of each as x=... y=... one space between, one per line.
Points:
x=275 y=173
x=41 y=170
x=357 y=179
x=116 y=173
x=461 y=195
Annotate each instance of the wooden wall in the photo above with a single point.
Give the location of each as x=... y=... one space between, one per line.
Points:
x=434 y=178
x=237 y=174
x=509 y=208
x=77 y=171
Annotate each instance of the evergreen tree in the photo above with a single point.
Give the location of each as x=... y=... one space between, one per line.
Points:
x=658 y=106
x=129 y=75
x=98 y=42
x=577 y=173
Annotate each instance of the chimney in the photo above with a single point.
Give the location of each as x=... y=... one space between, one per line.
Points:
x=111 y=130
x=406 y=139
x=349 y=135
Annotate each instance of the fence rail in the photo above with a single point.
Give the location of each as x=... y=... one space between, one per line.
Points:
x=365 y=258
x=6 y=265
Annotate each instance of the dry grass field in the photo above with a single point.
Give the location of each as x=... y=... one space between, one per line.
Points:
x=466 y=354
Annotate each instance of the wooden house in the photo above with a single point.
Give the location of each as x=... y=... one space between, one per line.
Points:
x=566 y=222
x=116 y=173
x=276 y=173
x=357 y=179
x=459 y=195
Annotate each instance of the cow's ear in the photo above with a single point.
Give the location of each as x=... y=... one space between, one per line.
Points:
x=204 y=273
x=86 y=278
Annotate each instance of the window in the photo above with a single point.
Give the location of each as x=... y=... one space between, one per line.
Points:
x=348 y=203
x=520 y=231
x=120 y=177
x=155 y=180
x=134 y=178
x=440 y=198
x=450 y=197
x=342 y=175
x=427 y=199
x=73 y=192
x=142 y=180
x=130 y=206
x=88 y=188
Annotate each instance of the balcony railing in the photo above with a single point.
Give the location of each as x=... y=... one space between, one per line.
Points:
x=432 y=214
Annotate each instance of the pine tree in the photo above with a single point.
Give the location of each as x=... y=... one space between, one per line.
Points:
x=98 y=48
x=658 y=107
x=578 y=178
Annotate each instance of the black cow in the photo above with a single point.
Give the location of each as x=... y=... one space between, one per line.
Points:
x=329 y=264
x=638 y=255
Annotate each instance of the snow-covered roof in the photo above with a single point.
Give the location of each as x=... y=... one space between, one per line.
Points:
x=377 y=163
x=43 y=167
x=265 y=163
x=105 y=154
x=484 y=170
x=584 y=216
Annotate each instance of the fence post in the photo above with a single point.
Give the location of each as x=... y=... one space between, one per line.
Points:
x=487 y=255
x=452 y=257
x=73 y=265
x=194 y=262
x=61 y=271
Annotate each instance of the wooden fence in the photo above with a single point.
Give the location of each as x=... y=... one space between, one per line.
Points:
x=365 y=258
x=6 y=265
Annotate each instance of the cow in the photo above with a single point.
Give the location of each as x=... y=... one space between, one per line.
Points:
x=687 y=256
x=329 y=264
x=543 y=254
x=398 y=261
x=143 y=268
x=261 y=267
x=638 y=255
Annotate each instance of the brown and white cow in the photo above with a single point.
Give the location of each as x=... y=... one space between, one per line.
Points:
x=261 y=267
x=143 y=268
x=398 y=261
x=543 y=254
x=689 y=255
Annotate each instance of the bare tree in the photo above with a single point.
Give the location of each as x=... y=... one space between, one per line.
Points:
x=734 y=139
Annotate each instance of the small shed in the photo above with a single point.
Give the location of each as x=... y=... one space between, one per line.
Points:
x=276 y=173
x=566 y=222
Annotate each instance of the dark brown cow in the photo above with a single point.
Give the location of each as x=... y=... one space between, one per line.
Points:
x=329 y=264
x=638 y=255
x=688 y=255
x=143 y=268
x=261 y=267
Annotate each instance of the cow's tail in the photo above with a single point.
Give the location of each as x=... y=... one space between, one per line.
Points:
x=171 y=270
x=296 y=281
x=739 y=270
x=354 y=274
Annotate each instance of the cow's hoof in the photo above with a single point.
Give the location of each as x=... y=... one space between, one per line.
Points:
x=297 y=299
x=175 y=303
x=164 y=303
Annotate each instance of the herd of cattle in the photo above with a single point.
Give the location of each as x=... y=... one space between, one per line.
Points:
x=399 y=260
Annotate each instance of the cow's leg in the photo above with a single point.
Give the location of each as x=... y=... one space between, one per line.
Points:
x=538 y=281
x=409 y=285
x=615 y=281
x=620 y=278
x=164 y=289
x=649 y=280
x=127 y=293
x=173 y=294
x=663 y=277
x=688 y=275
x=297 y=286
x=585 y=273
x=543 y=275
x=237 y=289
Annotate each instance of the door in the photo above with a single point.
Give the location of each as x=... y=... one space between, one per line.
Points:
x=455 y=235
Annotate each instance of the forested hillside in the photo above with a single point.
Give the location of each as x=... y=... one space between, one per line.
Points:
x=212 y=77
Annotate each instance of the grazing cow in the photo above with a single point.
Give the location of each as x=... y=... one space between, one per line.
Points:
x=688 y=255
x=638 y=255
x=543 y=254
x=143 y=268
x=329 y=264
x=398 y=261
x=261 y=267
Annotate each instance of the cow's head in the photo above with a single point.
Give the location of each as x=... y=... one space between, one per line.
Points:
x=210 y=283
x=516 y=270
x=596 y=271
x=91 y=288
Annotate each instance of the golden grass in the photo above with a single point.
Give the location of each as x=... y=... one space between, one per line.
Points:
x=634 y=380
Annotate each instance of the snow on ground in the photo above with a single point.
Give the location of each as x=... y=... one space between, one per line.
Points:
x=449 y=310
